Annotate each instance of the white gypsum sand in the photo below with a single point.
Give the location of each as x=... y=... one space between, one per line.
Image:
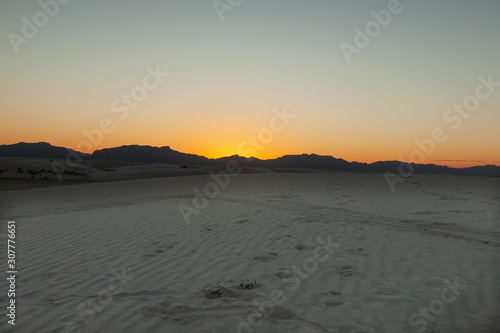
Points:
x=119 y=257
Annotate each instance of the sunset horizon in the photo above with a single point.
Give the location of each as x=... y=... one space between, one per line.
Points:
x=211 y=155
x=364 y=82
x=332 y=166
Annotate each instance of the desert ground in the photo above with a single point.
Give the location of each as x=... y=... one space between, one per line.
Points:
x=261 y=252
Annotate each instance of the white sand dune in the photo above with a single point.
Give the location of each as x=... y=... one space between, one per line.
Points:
x=23 y=173
x=119 y=256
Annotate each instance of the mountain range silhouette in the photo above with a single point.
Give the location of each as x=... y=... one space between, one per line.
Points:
x=149 y=154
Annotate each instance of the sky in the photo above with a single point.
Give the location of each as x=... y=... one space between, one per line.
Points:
x=360 y=80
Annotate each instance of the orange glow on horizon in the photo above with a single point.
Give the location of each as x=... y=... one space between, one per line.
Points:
x=213 y=150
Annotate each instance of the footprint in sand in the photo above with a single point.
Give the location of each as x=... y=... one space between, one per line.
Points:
x=332 y=293
x=332 y=302
x=248 y=284
x=176 y=312
x=220 y=291
x=209 y=227
x=267 y=257
x=348 y=270
x=357 y=252
x=230 y=289
x=283 y=274
x=302 y=247
x=158 y=251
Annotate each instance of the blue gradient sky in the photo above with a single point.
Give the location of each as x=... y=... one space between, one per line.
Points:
x=227 y=76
